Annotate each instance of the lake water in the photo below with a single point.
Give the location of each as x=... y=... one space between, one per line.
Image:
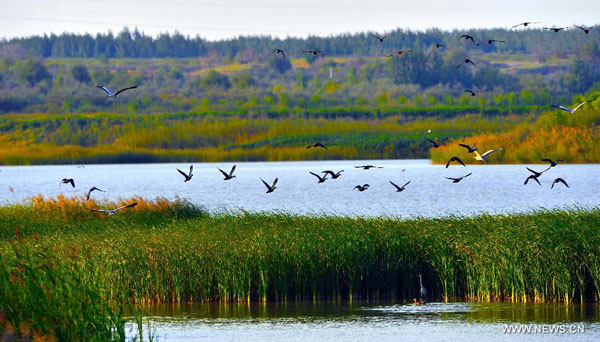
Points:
x=490 y=188
x=359 y=322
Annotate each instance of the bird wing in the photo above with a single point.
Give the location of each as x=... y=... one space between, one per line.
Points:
x=535 y=179
x=232 y=170
x=100 y=211
x=124 y=89
x=579 y=27
x=125 y=207
x=548 y=160
x=223 y=172
x=444 y=140
x=283 y=54
x=406 y=184
x=470 y=61
x=562 y=108
x=562 y=181
x=265 y=183
x=460 y=161
x=328 y=172
x=183 y=173
x=491 y=151
x=376 y=36
x=72 y=181
x=517 y=25
x=275 y=182
x=359 y=167
x=106 y=90
x=395 y=185
x=467 y=175
x=316 y=175
x=320 y=145
x=576 y=108
x=88 y=194
x=450 y=178
x=448 y=163
x=431 y=141
x=191 y=169
x=530 y=170
x=465 y=146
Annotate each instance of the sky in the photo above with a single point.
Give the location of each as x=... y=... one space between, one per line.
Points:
x=221 y=19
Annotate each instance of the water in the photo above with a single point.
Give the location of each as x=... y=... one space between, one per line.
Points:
x=490 y=189
x=360 y=322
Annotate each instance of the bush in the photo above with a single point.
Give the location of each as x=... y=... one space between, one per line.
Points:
x=81 y=74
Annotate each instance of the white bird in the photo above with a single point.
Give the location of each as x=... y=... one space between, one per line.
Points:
x=572 y=111
x=114 y=211
x=115 y=95
x=482 y=157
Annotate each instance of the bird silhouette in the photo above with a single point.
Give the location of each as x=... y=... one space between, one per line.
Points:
x=399 y=188
x=362 y=188
x=458 y=179
x=586 y=30
x=470 y=92
x=555 y=29
x=89 y=193
x=466 y=61
x=67 y=181
x=490 y=42
x=379 y=37
x=113 y=211
x=334 y=175
x=229 y=175
x=572 y=111
x=527 y=23
x=270 y=188
x=399 y=52
x=367 y=167
x=455 y=159
x=467 y=37
x=471 y=149
x=313 y=52
x=188 y=176
x=322 y=179
x=279 y=51
x=436 y=144
x=559 y=180
x=436 y=46
x=317 y=144
x=483 y=157
x=552 y=162
x=530 y=178
x=115 y=95
x=535 y=173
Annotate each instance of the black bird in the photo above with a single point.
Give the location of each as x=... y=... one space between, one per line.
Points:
x=467 y=37
x=437 y=46
x=456 y=180
x=279 y=51
x=530 y=178
x=229 y=175
x=67 y=181
x=435 y=144
x=91 y=190
x=552 y=162
x=113 y=211
x=470 y=92
x=490 y=42
x=317 y=144
x=187 y=176
x=270 y=188
x=379 y=37
x=321 y=179
x=400 y=188
x=535 y=173
x=586 y=30
x=559 y=180
x=334 y=175
x=115 y=95
x=313 y=52
x=466 y=61
x=527 y=23
x=555 y=29
x=456 y=159
x=366 y=167
x=362 y=188
x=468 y=147
x=399 y=52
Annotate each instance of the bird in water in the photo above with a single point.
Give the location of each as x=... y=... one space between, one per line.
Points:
x=229 y=175
x=471 y=149
x=436 y=144
x=456 y=180
x=279 y=51
x=417 y=302
x=483 y=157
x=527 y=23
x=381 y=38
x=362 y=188
x=586 y=30
x=572 y=111
x=467 y=37
x=367 y=167
x=89 y=193
x=270 y=188
x=466 y=61
x=317 y=144
x=115 y=95
x=67 y=181
x=559 y=180
x=552 y=162
x=322 y=179
x=399 y=52
x=188 y=176
x=555 y=29
x=422 y=290
x=400 y=188
x=113 y=211
x=334 y=175
x=455 y=159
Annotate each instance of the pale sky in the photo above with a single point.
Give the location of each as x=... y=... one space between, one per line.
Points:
x=218 y=19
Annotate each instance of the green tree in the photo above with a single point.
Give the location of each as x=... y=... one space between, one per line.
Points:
x=215 y=81
x=81 y=73
x=242 y=80
x=581 y=76
x=278 y=64
x=33 y=72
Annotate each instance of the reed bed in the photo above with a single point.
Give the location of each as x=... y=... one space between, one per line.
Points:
x=172 y=252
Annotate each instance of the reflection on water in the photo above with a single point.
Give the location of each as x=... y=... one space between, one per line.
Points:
x=366 y=322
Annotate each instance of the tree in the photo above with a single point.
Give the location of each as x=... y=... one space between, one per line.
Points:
x=33 y=72
x=215 y=81
x=242 y=80
x=278 y=64
x=81 y=74
x=581 y=76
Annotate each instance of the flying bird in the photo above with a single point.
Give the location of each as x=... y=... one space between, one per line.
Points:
x=113 y=211
x=270 y=188
x=400 y=188
x=399 y=52
x=67 y=181
x=527 y=23
x=455 y=159
x=437 y=46
x=115 y=95
x=91 y=190
x=229 y=175
x=468 y=147
x=552 y=162
x=321 y=179
x=379 y=37
x=279 y=51
x=470 y=92
x=572 y=111
x=482 y=157
x=467 y=37
x=585 y=30
x=530 y=178
x=334 y=175
x=313 y=52
x=559 y=180
x=366 y=167
x=362 y=188
x=188 y=176
x=555 y=29
x=535 y=173
x=317 y=144
x=435 y=144
x=456 y=180
x=466 y=61
x=490 y=42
